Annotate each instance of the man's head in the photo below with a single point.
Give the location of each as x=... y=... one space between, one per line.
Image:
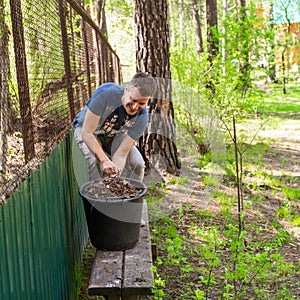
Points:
x=138 y=92
x=144 y=83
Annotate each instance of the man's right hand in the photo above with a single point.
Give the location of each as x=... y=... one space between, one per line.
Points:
x=109 y=168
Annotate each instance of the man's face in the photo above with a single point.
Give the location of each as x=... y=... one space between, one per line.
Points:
x=133 y=101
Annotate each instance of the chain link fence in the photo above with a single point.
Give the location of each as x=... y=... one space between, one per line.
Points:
x=52 y=56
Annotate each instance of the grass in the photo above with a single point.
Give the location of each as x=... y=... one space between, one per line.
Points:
x=200 y=254
x=277 y=102
x=271 y=106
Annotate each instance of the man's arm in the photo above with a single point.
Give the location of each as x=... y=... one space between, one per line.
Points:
x=120 y=156
x=88 y=128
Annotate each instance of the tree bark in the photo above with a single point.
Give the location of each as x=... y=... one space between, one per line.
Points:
x=212 y=40
x=223 y=40
x=197 y=26
x=212 y=23
x=4 y=92
x=101 y=18
x=158 y=145
x=107 y=59
x=272 y=62
x=22 y=77
x=243 y=48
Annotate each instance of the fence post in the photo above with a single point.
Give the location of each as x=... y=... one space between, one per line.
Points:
x=67 y=63
x=4 y=91
x=87 y=59
x=98 y=59
x=22 y=78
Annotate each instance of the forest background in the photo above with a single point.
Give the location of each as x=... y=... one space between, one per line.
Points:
x=233 y=230
x=228 y=226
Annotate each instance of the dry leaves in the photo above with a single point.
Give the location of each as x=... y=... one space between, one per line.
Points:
x=111 y=188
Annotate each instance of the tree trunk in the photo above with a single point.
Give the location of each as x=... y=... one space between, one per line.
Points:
x=158 y=145
x=272 y=62
x=172 y=25
x=4 y=92
x=106 y=57
x=244 y=49
x=22 y=78
x=182 y=31
x=197 y=26
x=212 y=40
x=212 y=22
x=223 y=40
x=101 y=18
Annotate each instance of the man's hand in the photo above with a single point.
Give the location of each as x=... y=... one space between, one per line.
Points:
x=109 y=168
x=120 y=156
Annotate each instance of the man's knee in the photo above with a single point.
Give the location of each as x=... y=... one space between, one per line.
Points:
x=138 y=171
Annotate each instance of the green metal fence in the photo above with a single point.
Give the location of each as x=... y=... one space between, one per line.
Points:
x=43 y=232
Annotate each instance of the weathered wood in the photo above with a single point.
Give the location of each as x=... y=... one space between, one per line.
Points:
x=132 y=297
x=125 y=274
x=154 y=251
x=106 y=277
x=67 y=62
x=22 y=78
x=112 y=297
x=138 y=276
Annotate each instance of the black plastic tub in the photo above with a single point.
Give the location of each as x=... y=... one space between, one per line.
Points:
x=114 y=224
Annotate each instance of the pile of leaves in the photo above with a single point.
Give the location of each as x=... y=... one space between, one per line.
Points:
x=111 y=188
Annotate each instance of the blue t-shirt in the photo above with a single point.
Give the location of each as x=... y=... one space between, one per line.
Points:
x=106 y=102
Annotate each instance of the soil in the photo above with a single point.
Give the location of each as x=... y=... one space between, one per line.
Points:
x=262 y=224
x=16 y=170
x=113 y=188
x=281 y=160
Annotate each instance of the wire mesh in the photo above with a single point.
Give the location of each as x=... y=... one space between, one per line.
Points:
x=49 y=66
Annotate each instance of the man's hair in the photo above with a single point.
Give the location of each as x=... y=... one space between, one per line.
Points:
x=145 y=84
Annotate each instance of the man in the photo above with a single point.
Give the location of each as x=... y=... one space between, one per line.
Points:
x=109 y=125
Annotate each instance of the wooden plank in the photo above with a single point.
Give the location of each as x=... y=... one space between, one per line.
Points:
x=138 y=276
x=132 y=297
x=106 y=277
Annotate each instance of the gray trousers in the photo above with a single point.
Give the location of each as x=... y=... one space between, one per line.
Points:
x=135 y=164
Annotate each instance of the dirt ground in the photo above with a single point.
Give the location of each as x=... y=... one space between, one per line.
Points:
x=282 y=161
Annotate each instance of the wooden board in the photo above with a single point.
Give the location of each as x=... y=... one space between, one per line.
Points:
x=138 y=275
x=106 y=277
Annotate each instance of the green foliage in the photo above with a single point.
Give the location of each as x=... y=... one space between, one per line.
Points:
x=256 y=263
x=276 y=103
x=224 y=253
x=43 y=55
x=120 y=27
x=158 y=283
x=258 y=150
x=245 y=265
x=211 y=181
x=292 y=193
x=124 y=8
x=226 y=202
x=288 y=213
x=194 y=74
x=78 y=279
